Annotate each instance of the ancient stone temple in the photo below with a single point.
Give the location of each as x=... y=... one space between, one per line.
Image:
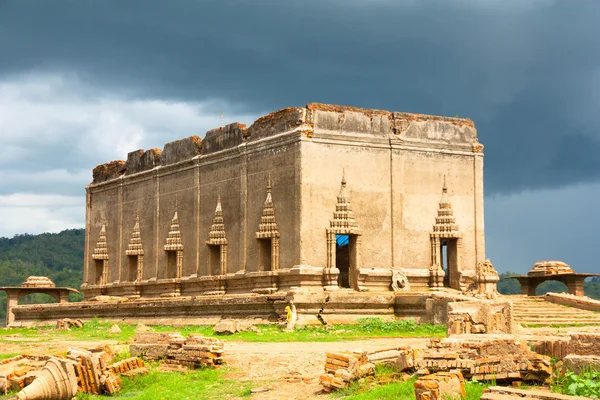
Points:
x=319 y=198
x=333 y=213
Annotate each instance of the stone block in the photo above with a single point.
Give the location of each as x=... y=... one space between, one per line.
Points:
x=152 y=337
x=579 y=364
x=149 y=351
x=439 y=386
x=181 y=150
x=222 y=138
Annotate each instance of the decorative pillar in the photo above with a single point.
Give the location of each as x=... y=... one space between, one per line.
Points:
x=445 y=229
x=101 y=253
x=268 y=229
x=135 y=249
x=12 y=300
x=343 y=223
x=275 y=254
x=217 y=237
x=175 y=244
x=223 y=259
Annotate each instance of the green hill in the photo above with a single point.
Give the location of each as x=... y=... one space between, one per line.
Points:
x=56 y=255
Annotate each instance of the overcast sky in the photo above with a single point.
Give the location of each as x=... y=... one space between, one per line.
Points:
x=83 y=82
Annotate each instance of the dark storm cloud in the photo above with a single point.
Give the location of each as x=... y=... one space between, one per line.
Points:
x=525 y=71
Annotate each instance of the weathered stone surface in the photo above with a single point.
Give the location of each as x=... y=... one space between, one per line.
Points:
x=543 y=268
x=114 y=329
x=506 y=393
x=181 y=150
x=195 y=351
x=149 y=351
x=56 y=381
x=579 y=364
x=108 y=171
x=140 y=328
x=343 y=368
x=38 y=282
x=231 y=326
x=227 y=327
x=490 y=357
x=264 y=165
x=480 y=316
x=581 y=302
x=440 y=386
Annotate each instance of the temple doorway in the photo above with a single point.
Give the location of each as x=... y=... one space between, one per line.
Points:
x=132 y=268
x=214 y=260
x=265 y=254
x=449 y=255
x=345 y=259
x=171 y=264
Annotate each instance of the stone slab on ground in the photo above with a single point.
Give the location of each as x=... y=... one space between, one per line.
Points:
x=579 y=364
x=505 y=393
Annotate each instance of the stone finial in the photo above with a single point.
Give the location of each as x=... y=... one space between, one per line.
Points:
x=38 y=282
x=343 y=221
x=543 y=268
x=445 y=224
x=217 y=230
x=268 y=226
x=101 y=250
x=135 y=241
x=174 y=238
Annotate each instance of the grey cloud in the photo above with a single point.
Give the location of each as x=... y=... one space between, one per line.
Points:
x=518 y=70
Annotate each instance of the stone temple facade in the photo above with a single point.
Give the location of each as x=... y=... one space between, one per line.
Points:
x=314 y=198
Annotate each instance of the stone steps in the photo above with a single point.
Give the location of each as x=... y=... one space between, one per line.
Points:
x=536 y=311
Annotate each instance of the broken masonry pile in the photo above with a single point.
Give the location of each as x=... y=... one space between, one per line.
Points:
x=173 y=349
x=68 y=323
x=579 y=351
x=495 y=357
x=343 y=368
x=54 y=378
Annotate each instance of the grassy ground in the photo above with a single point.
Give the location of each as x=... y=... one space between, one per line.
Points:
x=366 y=328
x=200 y=384
x=370 y=390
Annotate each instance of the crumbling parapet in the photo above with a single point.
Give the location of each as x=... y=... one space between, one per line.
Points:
x=108 y=171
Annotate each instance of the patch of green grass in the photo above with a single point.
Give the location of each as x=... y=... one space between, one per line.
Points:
x=8 y=355
x=201 y=384
x=97 y=329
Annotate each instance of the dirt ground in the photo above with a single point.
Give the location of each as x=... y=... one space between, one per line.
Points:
x=292 y=370
x=287 y=370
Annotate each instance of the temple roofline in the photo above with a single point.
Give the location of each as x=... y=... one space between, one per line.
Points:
x=314 y=118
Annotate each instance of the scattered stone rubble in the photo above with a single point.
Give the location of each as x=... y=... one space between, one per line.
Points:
x=343 y=368
x=173 y=349
x=439 y=386
x=485 y=358
x=58 y=378
x=578 y=351
x=67 y=323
